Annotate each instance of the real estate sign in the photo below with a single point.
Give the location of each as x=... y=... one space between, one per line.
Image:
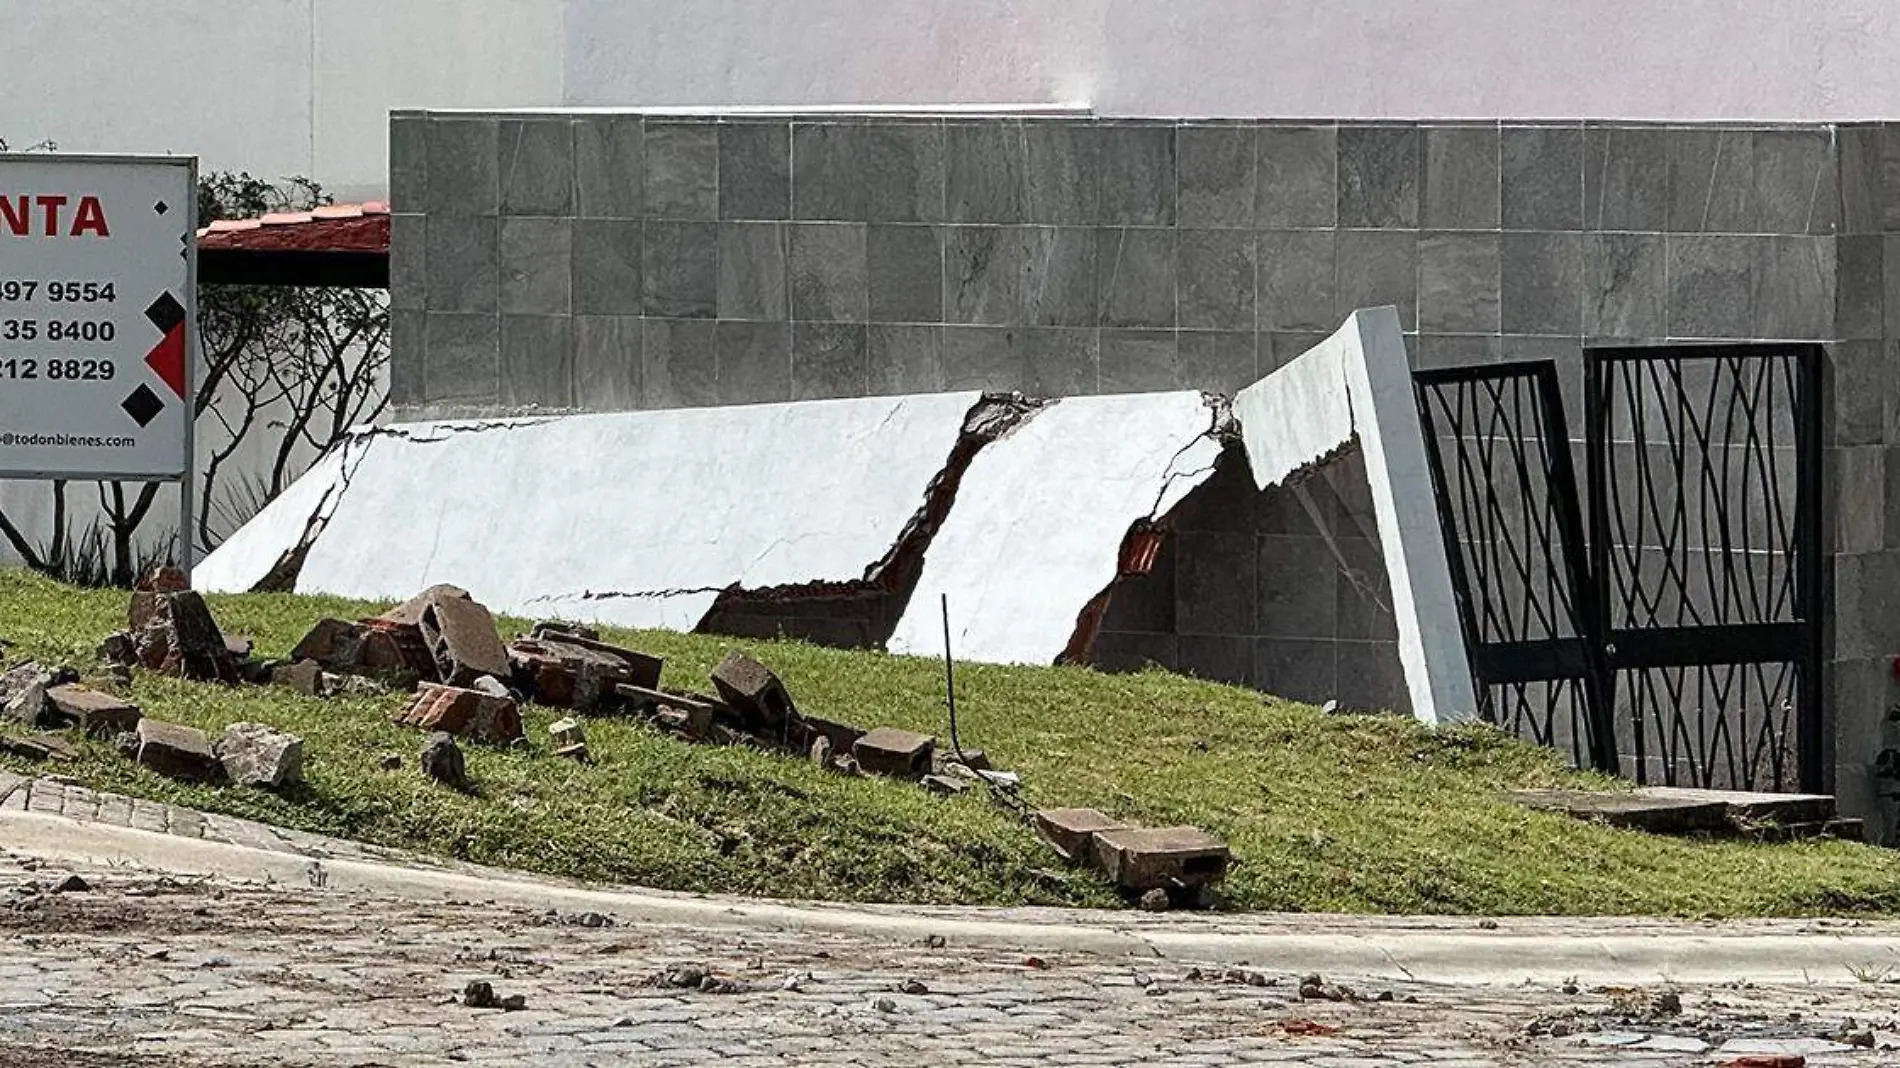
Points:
x=97 y=278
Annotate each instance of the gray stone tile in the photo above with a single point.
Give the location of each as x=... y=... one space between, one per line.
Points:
x=408 y=350
x=463 y=263
x=1275 y=349
x=1216 y=658
x=753 y=362
x=828 y=360
x=829 y=272
x=463 y=167
x=902 y=171
x=1060 y=277
x=753 y=271
x=1296 y=669
x=1296 y=183
x=682 y=170
x=1214 y=588
x=678 y=364
x=1371 y=677
x=1890 y=274
x=1461 y=178
x=1062 y=163
x=1625 y=177
x=1543 y=284
x=1060 y=361
x=905 y=273
x=1860 y=290
x=536 y=265
x=903 y=359
x=755 y=170
x=1862 y=170
x=1857 y=492
x=607 y=362
x=610 y=166
x=1132 y=651
x=1542 y=177
x=988 y=358
x=1795 y=182
x=1457 y=350
x=984 y=268
x=537 y=166
x=1377 y=267
x=1709 y=287
x=607 y=266
x=409 y=259
x=1136 y=186
x=537 y=361
x=826 y=184
x=1625 y=286
x=1380 y=168
x=679 y=271
x=1216 y=361
x=409 y=163
x=1792 y=287
x=1711 y=180
x=1364 y=593
x=464 y=358
x=1136 y=276
x=1297 y=593
x=1140 y=361
x=1296 y=279
x=1217 y=175
x=1458 y=282
x=1216 y=279
x=984 y=172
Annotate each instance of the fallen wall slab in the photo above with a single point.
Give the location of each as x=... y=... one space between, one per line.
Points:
x=1037 y=531
x=639 y=519
x=1357 y=384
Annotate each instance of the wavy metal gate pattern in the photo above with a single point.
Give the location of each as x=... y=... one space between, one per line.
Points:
x=1666 y=624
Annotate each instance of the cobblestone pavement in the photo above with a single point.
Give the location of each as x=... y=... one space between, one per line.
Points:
x=156 y=971
x=150 y=970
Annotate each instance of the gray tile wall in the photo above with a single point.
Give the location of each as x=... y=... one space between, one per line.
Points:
x=607 y=262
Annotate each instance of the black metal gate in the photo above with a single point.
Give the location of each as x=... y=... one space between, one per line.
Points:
x=1674 y=635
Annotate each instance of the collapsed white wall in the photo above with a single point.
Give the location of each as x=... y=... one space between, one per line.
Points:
x=1358 y=384
x=637 y=519
x=1038 y=525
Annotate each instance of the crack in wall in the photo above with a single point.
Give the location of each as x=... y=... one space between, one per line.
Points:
x=282 y=576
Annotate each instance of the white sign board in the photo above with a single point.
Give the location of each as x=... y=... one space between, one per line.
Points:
x=97 y=309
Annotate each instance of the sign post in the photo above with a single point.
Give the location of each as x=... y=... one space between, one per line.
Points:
x=98 y=321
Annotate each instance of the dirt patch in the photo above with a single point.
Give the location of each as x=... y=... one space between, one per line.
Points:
x=41 y=1057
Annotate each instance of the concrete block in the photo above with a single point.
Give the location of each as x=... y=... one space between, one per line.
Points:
x=176 y=751
x=463 y=713
x=1072 y=830
x=255 y=755
x=1655 y=814
x=97 y=715
x=442 y=761
x=304 y=676
x=1143 y=858
x=460 y=634
x=753 y=691
x=898 y=753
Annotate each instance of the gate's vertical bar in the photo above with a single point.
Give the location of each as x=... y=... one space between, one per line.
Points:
x=1562 y=473
x=1810 y=414
x=1596 y=418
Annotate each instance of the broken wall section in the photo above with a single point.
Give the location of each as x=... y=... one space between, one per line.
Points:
x=1282 y=589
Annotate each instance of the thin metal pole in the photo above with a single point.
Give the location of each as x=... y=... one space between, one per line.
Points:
x=950 y=678
x=187 y=483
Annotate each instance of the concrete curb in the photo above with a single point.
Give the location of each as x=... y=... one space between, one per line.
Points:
x=1699 y=954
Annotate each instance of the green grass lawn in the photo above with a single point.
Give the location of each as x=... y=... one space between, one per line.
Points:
x=1341 y=813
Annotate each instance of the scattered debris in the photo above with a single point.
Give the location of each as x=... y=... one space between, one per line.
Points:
x=460 y=635
x=946 y=785
x=568 y=739
x=913 y=987
x=176 y=751
x=1304 y=1028
x=1072 y=830
x=480 y=994
x=39 y=747
x=443 y=762
x=361 y=649
x=884 y=1005
x=897 y=753
x=72 y=884
x=23 y=693
x=253 y=754
x=96 y=714
x=303 y=676
x=821 y=752
x=754 y=692
x=464 y=713
x=390 y=762
x=565 y=670
x=1155 y=900
x=1137 y=858
x=179 y=637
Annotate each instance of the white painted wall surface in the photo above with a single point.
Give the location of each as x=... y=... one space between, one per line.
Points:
x=274 y=87
x=1637 y=59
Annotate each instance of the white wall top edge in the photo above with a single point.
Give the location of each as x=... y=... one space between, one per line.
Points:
x=980 y=110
